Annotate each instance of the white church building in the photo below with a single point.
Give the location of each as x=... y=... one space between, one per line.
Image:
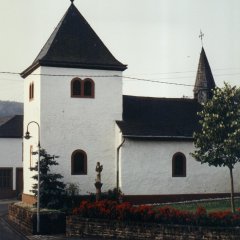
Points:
x=73 y=90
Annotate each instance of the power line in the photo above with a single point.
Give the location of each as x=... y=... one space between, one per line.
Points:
x=124 y=77
x=157 y=73
x=155 y=81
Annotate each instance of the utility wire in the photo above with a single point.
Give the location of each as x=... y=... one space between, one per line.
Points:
x=155 y=81
x=124 y=77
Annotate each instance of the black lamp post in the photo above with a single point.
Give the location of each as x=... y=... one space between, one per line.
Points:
x=27 y=136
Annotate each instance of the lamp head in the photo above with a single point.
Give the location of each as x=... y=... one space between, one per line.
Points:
x=27 y=135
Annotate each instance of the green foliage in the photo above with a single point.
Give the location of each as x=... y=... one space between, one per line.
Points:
x=72 y=189
x=51 y=188
x=218 y=142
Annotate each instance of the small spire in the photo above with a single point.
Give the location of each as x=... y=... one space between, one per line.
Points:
x=72 y=1
x=201 y=36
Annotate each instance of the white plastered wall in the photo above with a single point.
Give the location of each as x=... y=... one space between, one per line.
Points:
x=146 y=169
x=88 y=124
x=31 y=113
x=11 y=155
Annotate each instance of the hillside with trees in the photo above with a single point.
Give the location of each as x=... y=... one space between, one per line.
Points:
x=8 y=108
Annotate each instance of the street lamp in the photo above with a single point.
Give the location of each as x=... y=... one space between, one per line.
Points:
x=27 y=136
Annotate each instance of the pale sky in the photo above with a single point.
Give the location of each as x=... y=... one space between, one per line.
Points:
x=157 y=39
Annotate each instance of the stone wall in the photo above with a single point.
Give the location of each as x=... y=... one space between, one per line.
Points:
x=51 y=222
x=76 y=226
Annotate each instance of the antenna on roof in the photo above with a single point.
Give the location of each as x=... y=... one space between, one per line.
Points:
x=201 y=36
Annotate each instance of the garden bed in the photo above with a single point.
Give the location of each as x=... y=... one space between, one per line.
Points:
x=112 y=220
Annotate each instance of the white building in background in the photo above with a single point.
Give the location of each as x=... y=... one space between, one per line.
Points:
x=11 y=170
x=73 y=90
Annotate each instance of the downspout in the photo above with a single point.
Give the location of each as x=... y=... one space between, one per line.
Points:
x=118 y=149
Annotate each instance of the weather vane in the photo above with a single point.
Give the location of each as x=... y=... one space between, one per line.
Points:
x=201 y=36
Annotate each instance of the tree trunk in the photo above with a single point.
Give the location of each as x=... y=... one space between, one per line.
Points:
x=232 y=191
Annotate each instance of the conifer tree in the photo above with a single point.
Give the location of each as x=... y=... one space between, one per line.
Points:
x=218 y=142
x=52 y=188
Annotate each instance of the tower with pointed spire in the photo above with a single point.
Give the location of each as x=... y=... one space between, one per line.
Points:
x=73 y=90
x=204 y=83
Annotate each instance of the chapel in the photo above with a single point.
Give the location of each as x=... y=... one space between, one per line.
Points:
x=74 y=107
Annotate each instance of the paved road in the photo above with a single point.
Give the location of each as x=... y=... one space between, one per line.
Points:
x=6 y=231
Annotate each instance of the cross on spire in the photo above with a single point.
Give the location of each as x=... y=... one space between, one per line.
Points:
x=201 y=36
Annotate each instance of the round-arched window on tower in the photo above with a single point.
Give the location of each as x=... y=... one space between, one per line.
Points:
x=88 y=88
x=76 y=87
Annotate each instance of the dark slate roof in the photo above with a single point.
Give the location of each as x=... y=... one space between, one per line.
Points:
x=11 y=127
x=166 y=118
x=204 y=78
x=74 y=44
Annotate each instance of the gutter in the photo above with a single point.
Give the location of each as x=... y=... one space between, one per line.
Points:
x=163 y=137
x=118 y=150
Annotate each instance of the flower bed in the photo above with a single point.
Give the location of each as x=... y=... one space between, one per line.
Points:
x=124 y=221
x=165 y=215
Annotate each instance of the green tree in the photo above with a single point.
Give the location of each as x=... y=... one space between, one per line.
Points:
x=218 y=142
x=52 y=188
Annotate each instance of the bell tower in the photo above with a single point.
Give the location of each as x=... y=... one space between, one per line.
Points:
x=73 y=90
x=204 y=83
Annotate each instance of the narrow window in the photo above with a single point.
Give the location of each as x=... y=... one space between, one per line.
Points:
x=31 y=91
x=76 y=87
x=88 y=88
x=179 y=165
x=79 y=163
x=6 y=178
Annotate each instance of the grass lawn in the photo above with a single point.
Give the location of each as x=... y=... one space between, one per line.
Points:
x=209 y=205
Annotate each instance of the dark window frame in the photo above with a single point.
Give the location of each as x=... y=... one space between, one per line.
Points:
x=73 y=95
x=91 y=95
x=174 y=165
x=31 y=91
x=73 y=170
x=82 y=92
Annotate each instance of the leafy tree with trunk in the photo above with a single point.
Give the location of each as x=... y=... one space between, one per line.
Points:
x=52 y=189
x=218 y=142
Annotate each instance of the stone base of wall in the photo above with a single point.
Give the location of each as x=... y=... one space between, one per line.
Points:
x=144 y=199
x=77 y=226
x=51 y=222
x=28 y=199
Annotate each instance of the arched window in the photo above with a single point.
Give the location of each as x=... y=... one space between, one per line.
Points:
x=179 y=165
x=76 y=87
x=88 y=88
x=79 y=163
x=31 y=91
x=82 y=88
